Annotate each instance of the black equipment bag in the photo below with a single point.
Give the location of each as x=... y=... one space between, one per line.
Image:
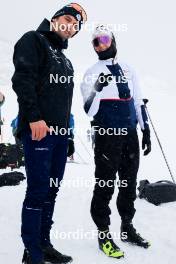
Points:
x=157 y=193
x=11 y=155
x=11 y=178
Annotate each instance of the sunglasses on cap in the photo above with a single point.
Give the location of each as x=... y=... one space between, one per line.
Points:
x=101 y=40
x=79 y=9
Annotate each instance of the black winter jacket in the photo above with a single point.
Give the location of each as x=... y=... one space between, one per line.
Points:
x=37 y=55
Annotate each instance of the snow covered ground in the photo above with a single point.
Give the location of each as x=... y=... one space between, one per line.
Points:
x=72 y=217
x=72 y=221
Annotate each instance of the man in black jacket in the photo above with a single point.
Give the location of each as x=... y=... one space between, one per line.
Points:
x=44 y=103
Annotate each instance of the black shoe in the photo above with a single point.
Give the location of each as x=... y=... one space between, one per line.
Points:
x=53 y=256
x=27 y=259
x=107 y=245
x=129 y=234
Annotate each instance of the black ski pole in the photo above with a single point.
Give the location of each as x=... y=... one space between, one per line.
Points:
x=159 y=142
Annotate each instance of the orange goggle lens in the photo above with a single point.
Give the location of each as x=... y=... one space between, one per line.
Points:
x=81 y=10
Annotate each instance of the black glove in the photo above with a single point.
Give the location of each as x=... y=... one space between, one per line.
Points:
x=102 y=81
x=71 y=147
x=146 y=142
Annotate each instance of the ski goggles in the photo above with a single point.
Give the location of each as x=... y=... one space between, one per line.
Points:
x=79 y=9
x=101 y=40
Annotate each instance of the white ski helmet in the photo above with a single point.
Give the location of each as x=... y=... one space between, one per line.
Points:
x=102 y=30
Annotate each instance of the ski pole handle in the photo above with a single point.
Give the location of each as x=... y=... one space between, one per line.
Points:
x=145 y=101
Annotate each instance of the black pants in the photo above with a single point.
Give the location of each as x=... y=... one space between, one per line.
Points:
x=112 y=154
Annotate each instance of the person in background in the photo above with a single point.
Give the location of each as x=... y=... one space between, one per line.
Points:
x=71 y=145
x=14 y=126
x=2 y=100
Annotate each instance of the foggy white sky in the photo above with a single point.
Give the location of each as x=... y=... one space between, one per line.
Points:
x=149 y=44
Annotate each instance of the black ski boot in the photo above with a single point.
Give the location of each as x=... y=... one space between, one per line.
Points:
x=27 y=259
x=129 y=234
x=51 y=255
x=107 y=245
